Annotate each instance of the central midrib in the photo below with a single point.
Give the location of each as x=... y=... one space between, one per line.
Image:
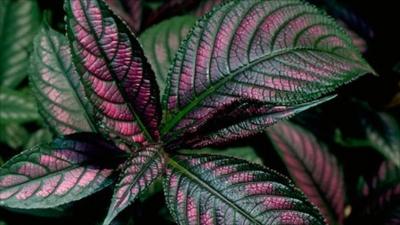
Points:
x=213 y=191
x=114 y=76
x=177 y=117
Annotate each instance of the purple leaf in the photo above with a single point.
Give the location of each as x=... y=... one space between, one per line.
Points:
x=314 y=170
x=221 y=190
x=139 y=173
x=245 y=120
x=66 y=170
x=279 y=53
x=119 y=81
x=57 y=87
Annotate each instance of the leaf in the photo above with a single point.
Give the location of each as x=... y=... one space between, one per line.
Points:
x=161 y=42
x=206 y=6
x=40 y=136
x=16 y=107
x=139 y=173
x=358 y=41
x=57 y=86
x=119 y=81
x=278 y=53
x=169 y=9
x=13 y=135
x=381 y=194
x=129 y=10
x=385 y=137
x=19 y=21
x=314 y=170
x=223 y=190
x=242 y=152
x=135 y=10
x=245 y=120
x=66 y=170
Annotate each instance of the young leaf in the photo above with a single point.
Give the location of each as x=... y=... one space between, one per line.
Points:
x=15 y=107
x=40 y=136
x=57 y=86
x=119 y=81
x=13 y=135
x=223 y=190
x=66 y=170
x=139 y=173
x=280 y=53
x=161 y=42
x=314 y=170
x=19 y=21
x=206 y=6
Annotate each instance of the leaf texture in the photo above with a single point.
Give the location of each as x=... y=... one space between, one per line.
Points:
x=314 y=170
x=66 y=170
x=139 y=173
x=280 y=53
x=161 y=42
x=16 y=107
x=57 y=86
x=131 y=11
x=221 y=190
x=244 y=120
x=19 y=22
x=118 y=80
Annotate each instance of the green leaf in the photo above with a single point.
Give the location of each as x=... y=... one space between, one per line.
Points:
x=385 y=137
x=309 y=163
x=40 y=136
x=19 y=21
x=223 y=190
x=57 y=86
x=13 y=135
x=16 y=107
x=139 y=173
x=66 y=170
x=278 y=53
x=161 y=42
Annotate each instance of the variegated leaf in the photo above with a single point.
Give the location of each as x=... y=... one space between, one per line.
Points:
x=19 y=22
x=161 y=42
x=118 y=80
x=66 y=170
x=139 y=173
x=315 y=171
x=278 y=53
x=129 y=10
x=221 y=190
x=57 y=86
x=13 y=135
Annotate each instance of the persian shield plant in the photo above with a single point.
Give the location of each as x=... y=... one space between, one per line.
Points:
x=241 y=68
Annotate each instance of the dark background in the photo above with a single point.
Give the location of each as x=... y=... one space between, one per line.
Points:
x=381 y=17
